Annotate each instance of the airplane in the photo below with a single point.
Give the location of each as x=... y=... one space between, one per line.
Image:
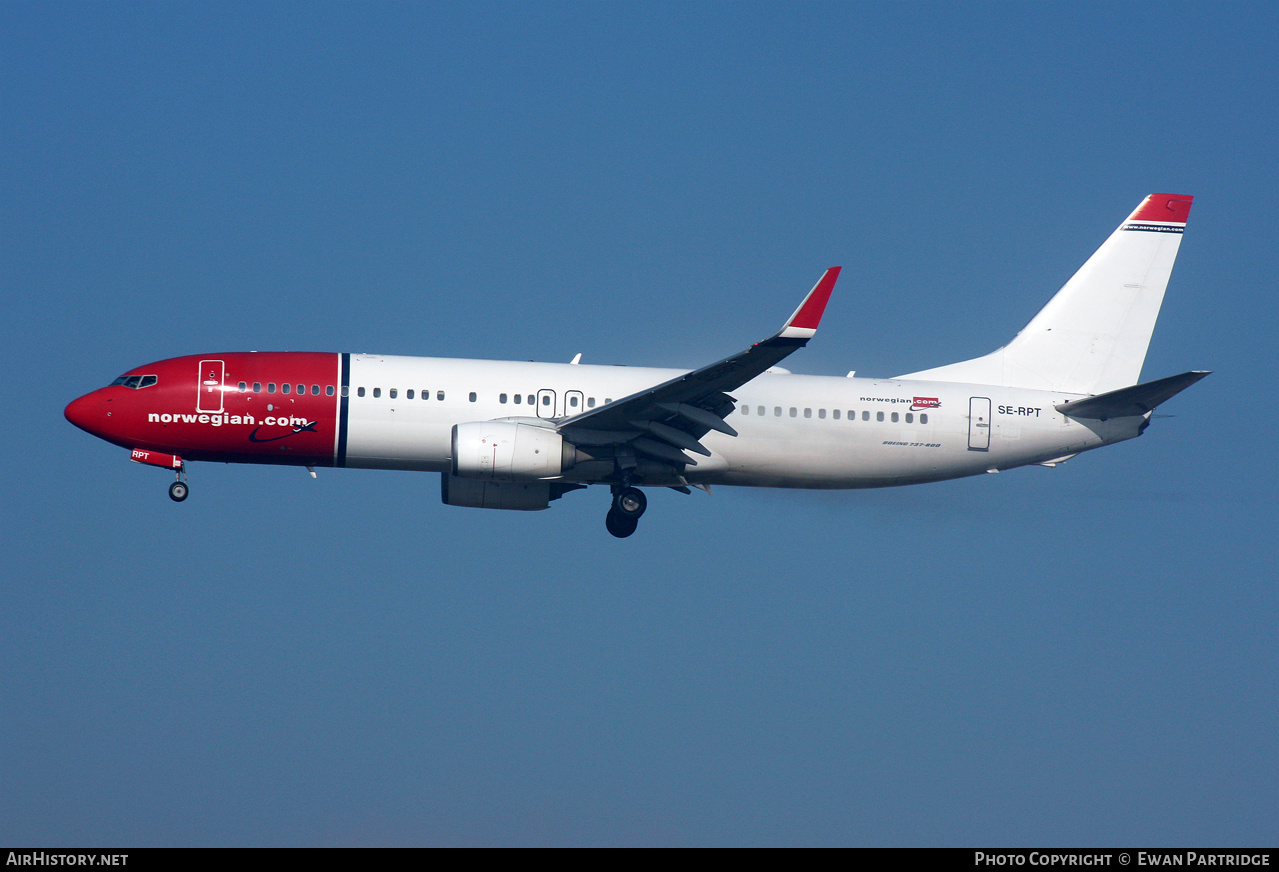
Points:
x=519 y=435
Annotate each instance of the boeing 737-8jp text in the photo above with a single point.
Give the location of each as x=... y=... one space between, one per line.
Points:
x=518 y=435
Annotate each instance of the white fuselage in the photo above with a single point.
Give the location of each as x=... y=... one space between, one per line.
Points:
x=794 y=430
x=517 y=436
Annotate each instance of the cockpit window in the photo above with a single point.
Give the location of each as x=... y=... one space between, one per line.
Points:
x=135 y=382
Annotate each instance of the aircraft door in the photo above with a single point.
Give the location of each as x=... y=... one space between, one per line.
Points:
x=209 y=398
x=573 y=403
x=979 y=424
x=546 y=403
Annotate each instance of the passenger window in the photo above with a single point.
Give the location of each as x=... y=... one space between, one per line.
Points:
x=377 y=392
x=359 y=392
x=530 y=399
x=270 y=388
x=346 y=390
x=315 y=390
x=393 y=393
x=590 y=402
x=910 y=419
x=426 y=395
x=759 y=410
x=546 y=400
x=328 y=390
x=501 y=398
x=572 y=401
x=894 y=417
x=746 y=410
x=408 y=395
x=879 y=416
x=923 y=419
x=519 y=398
x=244 y=386
x=284 y=388
x=608 y=400
x=777 y=411
x=794 y=412
x=257 y=387
x=835 y=414
x=866 y=416
x=439 y=395
x=808 y=413
x=472 y=397
x=301 y=389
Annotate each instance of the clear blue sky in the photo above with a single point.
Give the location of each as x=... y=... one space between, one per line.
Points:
x=1084 y=655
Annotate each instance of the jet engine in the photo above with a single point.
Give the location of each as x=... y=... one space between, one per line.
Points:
x=510 y=451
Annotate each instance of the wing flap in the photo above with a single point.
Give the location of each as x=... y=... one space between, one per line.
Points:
x=662 y=451
x=678 y=438
x=699 y=416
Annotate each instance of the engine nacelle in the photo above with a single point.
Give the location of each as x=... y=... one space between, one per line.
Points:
x=521 y=496
x=509 y=451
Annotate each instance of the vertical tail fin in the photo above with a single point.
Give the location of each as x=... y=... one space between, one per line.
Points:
x=1093 y=334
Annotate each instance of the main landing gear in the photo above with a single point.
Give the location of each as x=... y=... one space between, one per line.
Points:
x=629 y=504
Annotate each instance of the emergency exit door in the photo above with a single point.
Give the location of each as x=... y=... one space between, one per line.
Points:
x=979 y=424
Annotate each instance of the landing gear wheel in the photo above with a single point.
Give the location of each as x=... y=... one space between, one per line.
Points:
x=620 y=525
x=178 y=491
x=630 y=503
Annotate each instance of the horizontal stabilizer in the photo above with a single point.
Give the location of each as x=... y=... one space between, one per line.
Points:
x=1133 y=401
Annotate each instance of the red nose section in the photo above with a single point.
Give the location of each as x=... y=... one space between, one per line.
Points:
x=92 y=414
x=80 y=412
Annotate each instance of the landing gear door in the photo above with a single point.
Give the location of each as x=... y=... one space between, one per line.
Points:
x=212 y=373
x=979 y=424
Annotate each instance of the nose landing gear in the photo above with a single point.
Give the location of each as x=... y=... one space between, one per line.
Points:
x=629 y=504
x=179 y=490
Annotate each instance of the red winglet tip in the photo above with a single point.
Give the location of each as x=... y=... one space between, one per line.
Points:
x=810 y=314
x=1172 y=208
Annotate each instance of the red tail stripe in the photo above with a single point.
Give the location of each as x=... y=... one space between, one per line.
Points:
x=1173 y=208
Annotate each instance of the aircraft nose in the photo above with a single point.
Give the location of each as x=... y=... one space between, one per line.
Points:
x=85 y=412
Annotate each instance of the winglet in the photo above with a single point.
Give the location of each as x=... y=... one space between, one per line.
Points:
x=803 y=324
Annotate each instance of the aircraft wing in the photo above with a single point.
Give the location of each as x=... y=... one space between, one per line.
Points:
x=668 y=419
